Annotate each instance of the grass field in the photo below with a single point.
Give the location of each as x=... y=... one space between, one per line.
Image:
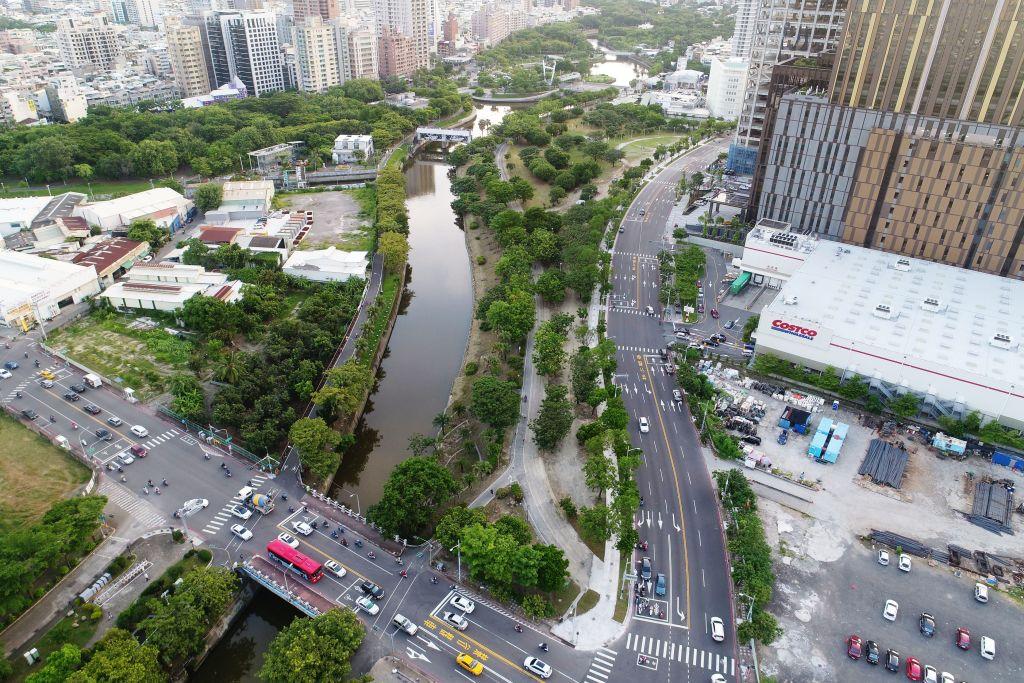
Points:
x=34 y=474
x=641 y=149
x=15 y=187
x=143 y=360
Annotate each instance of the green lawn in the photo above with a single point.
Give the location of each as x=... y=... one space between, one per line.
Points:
x=15 y=187
x=35 y=474
x=143 y=360
x=587 y=602
x=642 y=148
x=77 y=629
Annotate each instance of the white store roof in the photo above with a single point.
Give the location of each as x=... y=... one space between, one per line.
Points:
x=327 y=264
x=138 y=204
x=21 y=209
x=25 y=275
x=922 y=315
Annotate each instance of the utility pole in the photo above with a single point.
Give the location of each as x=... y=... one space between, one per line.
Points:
x=458 y=549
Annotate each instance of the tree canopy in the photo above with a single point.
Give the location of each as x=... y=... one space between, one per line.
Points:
x=314 y=650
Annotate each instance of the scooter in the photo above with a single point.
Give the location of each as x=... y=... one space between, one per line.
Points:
x=359 y=544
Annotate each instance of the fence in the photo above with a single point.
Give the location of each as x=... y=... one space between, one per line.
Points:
x=266 y=463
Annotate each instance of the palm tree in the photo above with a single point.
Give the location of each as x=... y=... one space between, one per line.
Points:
x=227 y=368
x=441 y=421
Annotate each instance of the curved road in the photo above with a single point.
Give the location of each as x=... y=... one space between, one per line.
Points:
x=679 y=520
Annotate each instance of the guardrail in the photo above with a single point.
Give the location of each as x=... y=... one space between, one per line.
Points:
x=266 y=463
x=279 y=590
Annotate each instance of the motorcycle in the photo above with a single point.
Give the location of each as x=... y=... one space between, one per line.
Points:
x=372 y=555
x=359 y=544
x=344 y=542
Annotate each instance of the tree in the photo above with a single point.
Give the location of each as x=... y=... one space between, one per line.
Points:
x=552 y=567
x=208 y=314
x=344 y=389
x=208 y=196
x=313 y=650
x=548 y=354
x=522 y=188
x=363 y=89
x=119 y=658
x=84 y=172
x=554 y=419
x=152 y=158
x=595 y=523
x=551 y=286
x=556 y=157
x=556 y=194
x=599 y=472
x=59 y=665
x=412 y=493
x=449 y=528
x=394 y=247
x=316 y=442
x=145 y=230
x=583 y=372
x=495 y=402
x=906 y=406
x=46 y=159
x=516 y=527
x=514 y=316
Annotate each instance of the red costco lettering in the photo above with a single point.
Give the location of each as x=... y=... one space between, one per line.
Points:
x=783 y=326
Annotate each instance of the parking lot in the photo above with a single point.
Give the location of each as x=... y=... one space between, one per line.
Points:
x=828 y=589
x=336 y=219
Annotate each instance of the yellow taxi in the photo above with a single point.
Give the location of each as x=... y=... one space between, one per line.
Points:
x=469 y=664
x=46 y=374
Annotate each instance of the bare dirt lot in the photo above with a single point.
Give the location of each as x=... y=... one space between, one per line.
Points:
x=338 y=219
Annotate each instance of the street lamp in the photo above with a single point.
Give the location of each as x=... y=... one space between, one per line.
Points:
x=458 y=549
x=359 y=508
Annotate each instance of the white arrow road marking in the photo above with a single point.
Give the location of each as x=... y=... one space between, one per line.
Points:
x=428 y=643
x=413 y=654
x=659 y=520
x=674 y=522
x=679 y=611
x=662 y=402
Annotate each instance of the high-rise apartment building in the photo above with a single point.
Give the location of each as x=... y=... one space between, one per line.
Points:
x=725 y=87
x=325 y=9
x=451 y=28
x=744 y=31
x=960 y=60
x=316 y=55
x=492 y=23
x=361 y=43
x=916 y=146
x=781 y=30
x=88 y=41
x=145 y=13
x=244 y=45
x=396 y=55
x=409 y=18
x=188 y=58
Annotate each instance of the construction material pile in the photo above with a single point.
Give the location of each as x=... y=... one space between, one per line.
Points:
x=884 y=463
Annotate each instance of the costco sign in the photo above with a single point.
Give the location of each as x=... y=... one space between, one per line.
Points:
x=796 y=330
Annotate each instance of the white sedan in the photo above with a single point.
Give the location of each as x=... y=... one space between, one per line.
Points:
x=455 y=619
x=4 y=374
x=717 y=629
x=905 y=563
x=335 y=568
x=537 y=667
x=883 y=558
x=463 y=603
x=241 y=512
x=288 y=539
x=191 y=507
x=241 y=532
x=892 y=608
x=302 y=528
x=645 y=426
x=367 y=605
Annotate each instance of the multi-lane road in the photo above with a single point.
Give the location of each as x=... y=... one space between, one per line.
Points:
x=668 y=640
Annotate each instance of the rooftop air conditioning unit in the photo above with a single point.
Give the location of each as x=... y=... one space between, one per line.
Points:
x=790 y=300
x=885 y=311
x=932 y=305
x=1003 y=341
x=902 y=264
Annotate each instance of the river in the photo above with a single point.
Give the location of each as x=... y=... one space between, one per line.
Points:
x=414 y=382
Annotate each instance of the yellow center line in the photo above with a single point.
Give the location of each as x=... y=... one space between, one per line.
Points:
x=448 y=635
x=679 y=495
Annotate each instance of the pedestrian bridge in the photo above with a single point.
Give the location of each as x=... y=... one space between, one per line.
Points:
x=443 y=135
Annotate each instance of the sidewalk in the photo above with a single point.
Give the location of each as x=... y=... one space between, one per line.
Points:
x=597 y=627
x=39 y=617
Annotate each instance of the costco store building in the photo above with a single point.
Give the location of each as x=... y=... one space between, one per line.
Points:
x=948 y=335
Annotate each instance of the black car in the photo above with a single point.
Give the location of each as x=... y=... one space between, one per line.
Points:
x=11 y=365
x=72 y=396
x=91 y=409
x=926 y=623
x=103 y=434
x=711 y=342
x=720 y=337
x=29 y=414
x=892 y=660
x=78 y=388
x=372 y=589
x=872 y=652
x=754 y=440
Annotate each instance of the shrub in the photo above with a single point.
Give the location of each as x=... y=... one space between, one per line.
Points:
x=204 y=555
x=568 y=507
x=481 y=260
x=177 y=536
x=472 y=367
x=537 y=606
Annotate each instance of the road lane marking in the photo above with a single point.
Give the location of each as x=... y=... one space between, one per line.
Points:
x=431 y=624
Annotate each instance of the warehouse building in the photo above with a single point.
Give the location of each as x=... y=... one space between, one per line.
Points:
x=112 y=257
x=948 y=335
x=32 y=286
x=167 y=286
x=162 y=205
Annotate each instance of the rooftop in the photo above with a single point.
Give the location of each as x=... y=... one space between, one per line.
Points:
x=107 y=254
x=213 y=234
x=22 y=275
x=933 y=313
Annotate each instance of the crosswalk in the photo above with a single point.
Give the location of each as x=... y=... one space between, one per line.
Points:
x=640 y=349
x=636 y=254
x=159 y=439
x=691 y=656
x=601 y=665
x=128 y=501
x=224 y=515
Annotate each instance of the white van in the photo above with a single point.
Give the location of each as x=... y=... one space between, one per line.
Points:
x=988 y=648
x=981 y=592
x=63 y=442
x=93 y=381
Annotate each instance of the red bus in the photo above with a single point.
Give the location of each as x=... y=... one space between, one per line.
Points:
x=292 y=559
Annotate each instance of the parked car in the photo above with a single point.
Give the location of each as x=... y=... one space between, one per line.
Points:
x=783 y=437
x=871 y=650
x=963 y=638
x=883 y=558
x=988 y=647
x=463 y=603
x=372 y=589
x=905 y=562
x=892 y=608
x=854 y=647
x=981 y=592
x=892 y=660
x=753 y=440
x=926 y=624
x=240 y=531
x=930 y=674
x=914 y=670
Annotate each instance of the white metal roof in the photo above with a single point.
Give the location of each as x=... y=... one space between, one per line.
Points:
x=913 y=309
x=21 y=209
x=140 y=203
